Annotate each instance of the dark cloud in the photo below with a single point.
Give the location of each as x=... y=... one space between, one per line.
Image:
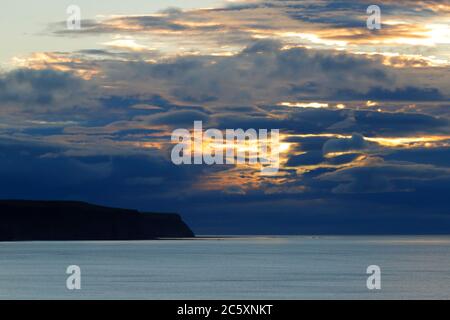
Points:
x=40 y=88
x=177 y=118
x=408 y=93
x=243 y=78
x=379 y=176
x=31 y=171
x=433 y=156
x=308 y=158
x=356 y=142
x=264 y=72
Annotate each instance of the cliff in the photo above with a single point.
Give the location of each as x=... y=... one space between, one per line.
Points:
x=58 y=220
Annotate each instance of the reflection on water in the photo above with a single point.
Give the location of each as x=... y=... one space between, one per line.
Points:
x=308 y=267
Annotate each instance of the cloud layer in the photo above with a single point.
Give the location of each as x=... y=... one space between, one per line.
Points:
x=363 y=116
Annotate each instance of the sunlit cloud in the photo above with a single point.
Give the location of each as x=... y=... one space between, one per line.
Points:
x=127 y=44
x=210 y=27
x=315 y=105
x=412 y=142
x=59 y=62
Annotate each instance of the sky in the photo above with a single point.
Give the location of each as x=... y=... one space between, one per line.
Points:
x=363 y=114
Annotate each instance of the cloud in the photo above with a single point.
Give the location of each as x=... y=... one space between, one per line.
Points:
x=40 y=88
x=378 y=176
x=176 y=118
x=324 y=24
x=43 y=171
x=409 y=93
x=308 y=158
x=263 y=72
x=355 y=143
x=243 y=78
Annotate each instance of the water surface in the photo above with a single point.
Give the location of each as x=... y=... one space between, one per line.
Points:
x=230 y=268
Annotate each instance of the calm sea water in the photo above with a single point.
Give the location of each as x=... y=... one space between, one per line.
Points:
x=237 y=268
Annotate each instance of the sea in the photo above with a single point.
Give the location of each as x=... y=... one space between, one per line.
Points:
x=250 y=267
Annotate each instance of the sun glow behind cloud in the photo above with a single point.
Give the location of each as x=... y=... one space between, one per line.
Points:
x=315 y=105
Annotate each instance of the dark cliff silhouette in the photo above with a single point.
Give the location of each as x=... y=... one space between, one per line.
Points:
x=60 y=220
